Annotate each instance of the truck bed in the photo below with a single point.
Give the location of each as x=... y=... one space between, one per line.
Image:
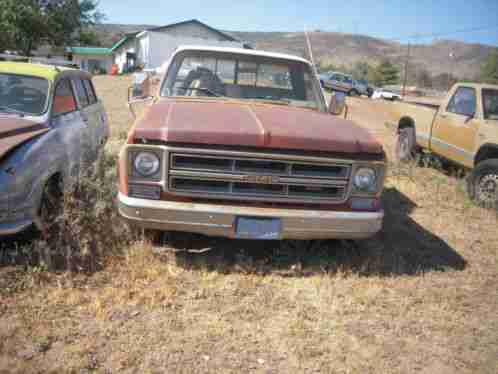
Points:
x=421 y=114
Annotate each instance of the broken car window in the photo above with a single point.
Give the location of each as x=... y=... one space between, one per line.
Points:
x=23 y=94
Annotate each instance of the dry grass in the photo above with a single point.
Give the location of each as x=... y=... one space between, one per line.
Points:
x=422 y=296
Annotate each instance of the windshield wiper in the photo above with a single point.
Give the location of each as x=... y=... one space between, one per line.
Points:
x=4 y=108
x=202 y=89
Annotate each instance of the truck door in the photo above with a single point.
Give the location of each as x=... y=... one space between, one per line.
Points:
x=456 y=127
x=96 y=114
x=87 y=106
x=68 y=123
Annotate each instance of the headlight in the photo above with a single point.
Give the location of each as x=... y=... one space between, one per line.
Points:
x=146 y=164
x=365 y=180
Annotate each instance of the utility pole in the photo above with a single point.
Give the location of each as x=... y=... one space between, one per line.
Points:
x=406 y=70
x=310 y=51
x=450 y=76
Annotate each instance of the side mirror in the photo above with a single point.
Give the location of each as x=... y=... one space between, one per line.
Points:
x=140 y=91
x=141 y=88
x=337 y=103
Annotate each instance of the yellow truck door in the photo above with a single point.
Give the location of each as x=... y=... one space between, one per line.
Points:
x=456 y=126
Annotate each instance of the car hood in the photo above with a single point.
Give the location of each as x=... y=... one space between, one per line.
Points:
x=16 y=131
x=252 y=125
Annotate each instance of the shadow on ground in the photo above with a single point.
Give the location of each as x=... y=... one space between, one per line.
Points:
x=403 y=247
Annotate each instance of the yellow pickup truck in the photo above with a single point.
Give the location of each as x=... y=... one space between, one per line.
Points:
x=463 y=130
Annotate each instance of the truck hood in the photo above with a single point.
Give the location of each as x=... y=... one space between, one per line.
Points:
x=16 y=131
x=252 y=125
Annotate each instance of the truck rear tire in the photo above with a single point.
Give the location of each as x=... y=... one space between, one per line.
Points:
x=405 y=145
x=482 y=184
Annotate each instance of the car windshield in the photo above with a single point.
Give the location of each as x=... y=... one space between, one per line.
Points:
x=490 y=101
x=23 y=95
x=253 y=78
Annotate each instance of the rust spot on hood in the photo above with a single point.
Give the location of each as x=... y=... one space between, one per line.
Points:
x=252 y=125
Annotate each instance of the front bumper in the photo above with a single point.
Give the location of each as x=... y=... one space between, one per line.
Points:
x=219 y=220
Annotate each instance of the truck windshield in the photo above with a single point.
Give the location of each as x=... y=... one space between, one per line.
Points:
x=490 y=101
x=242 y=77
x=23 y=95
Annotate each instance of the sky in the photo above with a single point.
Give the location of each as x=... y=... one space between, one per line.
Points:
x=390 y=19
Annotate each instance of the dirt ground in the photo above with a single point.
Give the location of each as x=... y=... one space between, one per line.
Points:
x=422 y=296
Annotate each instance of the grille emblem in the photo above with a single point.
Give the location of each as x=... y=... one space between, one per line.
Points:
x=263 y=179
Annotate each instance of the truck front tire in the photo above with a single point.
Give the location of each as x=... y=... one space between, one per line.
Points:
x=405 y=144
x=482 y=184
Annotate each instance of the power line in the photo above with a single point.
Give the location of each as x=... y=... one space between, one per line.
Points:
x=437 y=35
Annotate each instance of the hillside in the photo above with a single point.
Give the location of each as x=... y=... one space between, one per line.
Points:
x=346 y=49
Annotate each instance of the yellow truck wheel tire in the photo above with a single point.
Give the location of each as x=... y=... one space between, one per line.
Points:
x=482 y=184
x=405 y=145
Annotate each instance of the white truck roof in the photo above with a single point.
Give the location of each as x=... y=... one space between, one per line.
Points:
x=241 y=51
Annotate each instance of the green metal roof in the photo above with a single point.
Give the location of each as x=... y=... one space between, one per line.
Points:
x=120 y=43
x=89 y=51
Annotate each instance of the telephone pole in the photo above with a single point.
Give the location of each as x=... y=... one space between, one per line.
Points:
x=406 y=70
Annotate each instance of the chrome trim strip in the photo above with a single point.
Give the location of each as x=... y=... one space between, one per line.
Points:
x=423 y=136
x=469 y=156
x=219 y=220
x=275 y=158
x=240 y=178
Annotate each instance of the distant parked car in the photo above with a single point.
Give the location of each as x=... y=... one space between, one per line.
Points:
x=381 y=93
x=362 y=86
x=51 y=123
x=339 y=81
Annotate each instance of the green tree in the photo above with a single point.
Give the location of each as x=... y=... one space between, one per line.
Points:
x=360 y=70
x=423 y=79
x=489 y=70
x=387 y=73
x=373 y=76
x=22 y=23
x=89 y=38
x=444 y=81
x=29 y=23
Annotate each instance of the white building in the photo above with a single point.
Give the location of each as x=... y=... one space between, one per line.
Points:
x=151 y=48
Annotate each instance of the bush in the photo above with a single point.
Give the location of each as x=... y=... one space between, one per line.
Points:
x=88 y=227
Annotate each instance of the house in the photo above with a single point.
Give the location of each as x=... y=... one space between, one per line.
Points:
x=92 y=59
x=152 y=47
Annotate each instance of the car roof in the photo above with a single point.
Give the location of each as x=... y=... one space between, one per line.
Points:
x=48 y=72
x=241 y=51
x=478 y=85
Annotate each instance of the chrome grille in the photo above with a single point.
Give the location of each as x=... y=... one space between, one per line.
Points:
x=257 y=179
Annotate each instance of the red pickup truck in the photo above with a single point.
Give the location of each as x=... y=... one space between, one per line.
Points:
x=241 y=143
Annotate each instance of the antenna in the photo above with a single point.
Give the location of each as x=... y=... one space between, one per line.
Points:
x=308 y=43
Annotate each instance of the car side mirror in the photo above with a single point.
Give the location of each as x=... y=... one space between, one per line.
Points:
x=141 y=87
x=337 y=103
x=140 y=91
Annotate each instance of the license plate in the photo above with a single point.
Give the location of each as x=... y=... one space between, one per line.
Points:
x=257 y=228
